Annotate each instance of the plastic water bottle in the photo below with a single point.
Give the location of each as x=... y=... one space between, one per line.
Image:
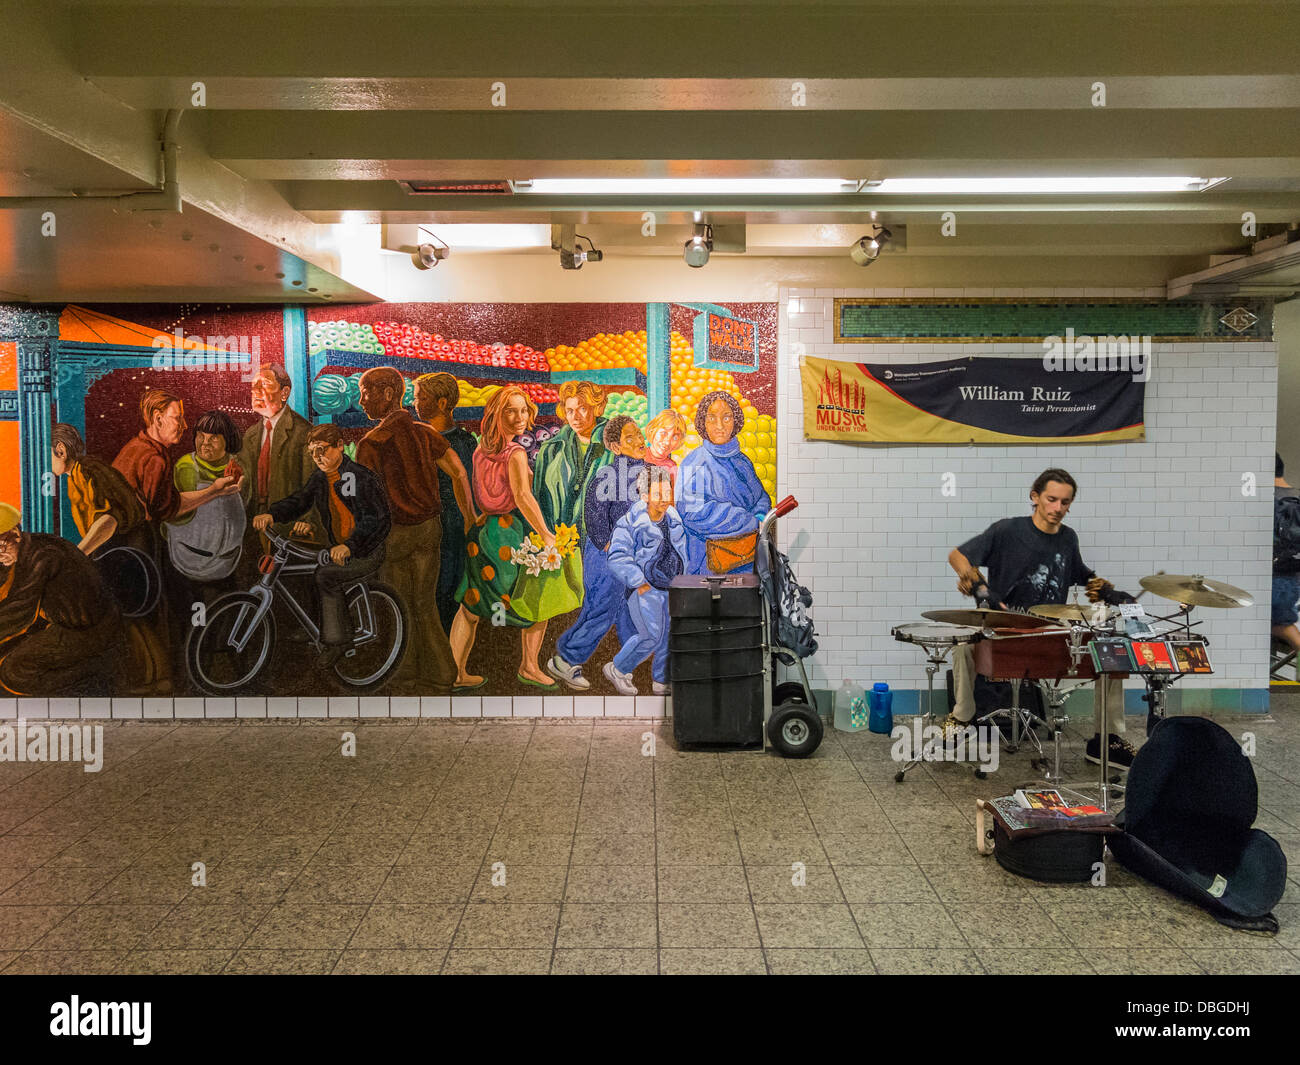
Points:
x=881 y=701
x=845 y=694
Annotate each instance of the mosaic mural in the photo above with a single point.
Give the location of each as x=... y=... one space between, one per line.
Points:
x=409 y=499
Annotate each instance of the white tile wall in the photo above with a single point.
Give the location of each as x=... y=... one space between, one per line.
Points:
x=872 y=533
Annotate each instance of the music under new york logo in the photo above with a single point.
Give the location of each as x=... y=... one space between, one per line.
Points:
x=840 y=405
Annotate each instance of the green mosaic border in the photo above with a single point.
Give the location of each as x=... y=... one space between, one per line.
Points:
x=1010 y=320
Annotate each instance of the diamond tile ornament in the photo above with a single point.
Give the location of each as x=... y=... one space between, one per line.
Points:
x=1239 y=319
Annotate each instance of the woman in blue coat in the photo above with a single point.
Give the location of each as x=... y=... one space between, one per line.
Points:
x=720 y=497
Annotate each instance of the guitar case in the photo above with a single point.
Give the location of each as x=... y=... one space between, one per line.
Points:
x=1191 y=801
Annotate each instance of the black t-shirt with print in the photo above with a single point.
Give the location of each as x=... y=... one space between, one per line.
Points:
x=1026 y=566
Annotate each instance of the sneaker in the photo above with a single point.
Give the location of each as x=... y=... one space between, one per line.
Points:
x=661 y=689
x=558 y=668
x=622 y=681
x=952 y=728
x=1120 y=753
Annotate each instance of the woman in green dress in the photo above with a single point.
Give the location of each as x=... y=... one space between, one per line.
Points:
x=495 y=584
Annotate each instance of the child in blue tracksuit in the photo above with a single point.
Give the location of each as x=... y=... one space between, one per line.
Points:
x=611 y=494
x=647 y=550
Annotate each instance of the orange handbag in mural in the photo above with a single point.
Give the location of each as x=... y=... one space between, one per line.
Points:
x=730 y=552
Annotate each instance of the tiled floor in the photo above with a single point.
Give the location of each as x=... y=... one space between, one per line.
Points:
x=562 y=847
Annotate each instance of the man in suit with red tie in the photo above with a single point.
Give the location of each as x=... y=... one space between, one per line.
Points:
x=274 y=452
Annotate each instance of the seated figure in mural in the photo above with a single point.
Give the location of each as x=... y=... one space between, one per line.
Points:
x=505 y=577
x=611 y=495
x=60 y=628
x=352 y=507
x=567 y=462
x=436 y=396
x=205 y=544
x=408 y=456
x=664 y=435
x=647 y=550
x=720 y=497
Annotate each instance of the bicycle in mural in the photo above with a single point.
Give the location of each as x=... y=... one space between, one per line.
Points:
x=228 y=653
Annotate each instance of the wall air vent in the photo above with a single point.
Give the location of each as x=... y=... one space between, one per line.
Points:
x=457 y=188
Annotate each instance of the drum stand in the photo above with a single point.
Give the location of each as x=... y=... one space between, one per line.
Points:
x=1022 y=718
x=1155 y=699
x=934 y=658
x=1104 y=786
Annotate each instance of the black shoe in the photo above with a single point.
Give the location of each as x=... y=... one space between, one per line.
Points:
x=330 y=656
x=1120 y=754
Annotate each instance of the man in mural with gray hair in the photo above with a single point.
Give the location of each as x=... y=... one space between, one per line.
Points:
x=274 y=452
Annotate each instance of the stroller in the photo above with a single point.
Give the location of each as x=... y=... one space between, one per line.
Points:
x=791 y=722
x=1190 y=802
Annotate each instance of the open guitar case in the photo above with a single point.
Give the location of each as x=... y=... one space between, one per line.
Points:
x=1190 y=803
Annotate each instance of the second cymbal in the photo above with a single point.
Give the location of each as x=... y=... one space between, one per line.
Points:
x=1061 y=612
x=1195 y=590
x=985 y=619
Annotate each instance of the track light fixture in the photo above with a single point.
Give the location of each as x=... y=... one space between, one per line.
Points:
x=696 y=250
x=867 y=250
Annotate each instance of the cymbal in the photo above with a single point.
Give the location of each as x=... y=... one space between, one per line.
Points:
x=985 y=619
x=1195 y=590
x=1061 y=612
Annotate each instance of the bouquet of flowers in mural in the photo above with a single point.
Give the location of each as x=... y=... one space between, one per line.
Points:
x=535 y=556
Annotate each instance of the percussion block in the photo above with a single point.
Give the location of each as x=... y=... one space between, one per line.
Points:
x=1037 y=657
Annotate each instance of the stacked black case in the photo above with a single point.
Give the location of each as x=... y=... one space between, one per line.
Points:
x=715 y=643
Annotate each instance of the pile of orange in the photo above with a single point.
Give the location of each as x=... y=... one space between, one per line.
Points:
x=604 y=351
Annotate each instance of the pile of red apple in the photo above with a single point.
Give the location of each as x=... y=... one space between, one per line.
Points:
x=412 y=342
x=540 y=393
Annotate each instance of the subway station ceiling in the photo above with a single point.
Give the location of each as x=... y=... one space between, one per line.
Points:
x=293 y=120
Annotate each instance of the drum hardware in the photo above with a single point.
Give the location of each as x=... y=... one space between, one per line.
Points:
x=937 y=641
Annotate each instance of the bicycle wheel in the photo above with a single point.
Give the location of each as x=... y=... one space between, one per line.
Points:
x=214 y=662
x=380 y=639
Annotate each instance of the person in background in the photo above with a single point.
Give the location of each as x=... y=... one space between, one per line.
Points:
x=274 y=452
x=611 y=495
x=494 y=585
x=664 y=435
x=60 y=628
x=1286 y=558
x=146 y=464
x=104 y=506
x=108 y=514
x=436 y=396
x=647 y=550
x=145 y=461
x=721 y=498
x=407 y=456
x=352 y=507
x=566 y=463
x=204 y=545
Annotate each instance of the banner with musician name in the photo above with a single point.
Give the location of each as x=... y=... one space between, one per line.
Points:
x=971 y=401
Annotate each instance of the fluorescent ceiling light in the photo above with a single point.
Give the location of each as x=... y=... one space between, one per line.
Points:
x=1026 y=186
x=686 y=186
x=486 y=235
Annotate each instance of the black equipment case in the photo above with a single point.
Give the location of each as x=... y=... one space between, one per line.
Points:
x=1191 y=802
x=715 y=644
